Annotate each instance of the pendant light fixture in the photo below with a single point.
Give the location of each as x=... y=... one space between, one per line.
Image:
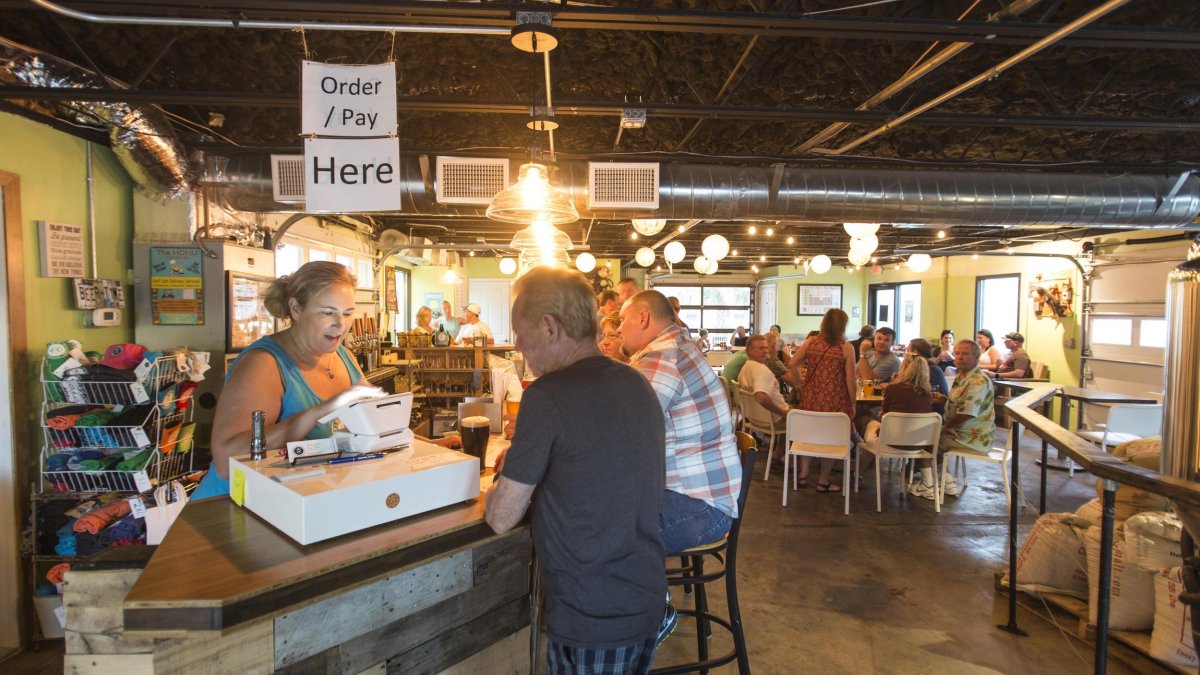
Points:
x=542 y=244
x=532 y=197
x=648 y=227
x=644 y=256
x=821 y=264
x=715 y=247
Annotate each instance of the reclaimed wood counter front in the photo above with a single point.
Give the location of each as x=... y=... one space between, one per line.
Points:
x=225 y=590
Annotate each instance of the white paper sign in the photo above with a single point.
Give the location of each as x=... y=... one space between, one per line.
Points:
x=351 y=175
x=355 y=101
x=140 y=437
x=137 y=507
x=139 y=393
x=142 y=482
x=61 y=244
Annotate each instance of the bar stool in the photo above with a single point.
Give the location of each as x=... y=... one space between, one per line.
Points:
x=691 y=575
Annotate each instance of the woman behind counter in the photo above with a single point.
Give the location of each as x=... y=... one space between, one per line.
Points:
x=424 y=319
x=295 y=376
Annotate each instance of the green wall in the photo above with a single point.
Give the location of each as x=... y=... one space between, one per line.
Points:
x=52 y=168
x=853 y=293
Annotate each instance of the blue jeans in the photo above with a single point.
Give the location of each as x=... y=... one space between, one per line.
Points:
x=686 y=522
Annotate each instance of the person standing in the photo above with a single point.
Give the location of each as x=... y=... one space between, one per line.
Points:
x=626 y=289
x=424 y=317
x=607 y=302
x=830 y=382
x=598 y=482
x=450 y=322
x=474 y=327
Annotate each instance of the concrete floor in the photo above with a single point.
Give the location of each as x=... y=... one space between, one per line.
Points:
x=903 y=591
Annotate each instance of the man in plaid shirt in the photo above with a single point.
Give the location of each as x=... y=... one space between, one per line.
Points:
x=704 y=472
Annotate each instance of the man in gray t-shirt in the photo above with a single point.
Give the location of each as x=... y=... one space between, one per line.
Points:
x=589 y=450
x=878 y=362
x=1017 y=363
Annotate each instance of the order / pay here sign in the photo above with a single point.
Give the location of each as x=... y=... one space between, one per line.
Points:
x=351 y=153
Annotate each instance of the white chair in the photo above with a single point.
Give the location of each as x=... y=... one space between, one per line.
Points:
x=735 y=410
x=1126 y=422
x=898 y=431
x=817 y=434
x=757 y=418
x=996 y=456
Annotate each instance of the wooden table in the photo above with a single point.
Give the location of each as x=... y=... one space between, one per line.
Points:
x=421 y=594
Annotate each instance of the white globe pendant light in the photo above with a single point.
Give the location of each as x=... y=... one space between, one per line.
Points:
x=858 y=257
x=674 y=252
x=701 y=265
x=860 y=229
x=920 y=262
x=648 y=227
x=821 y=264
x=866 y=244
x=715 y=247
x=712 y=267
x=585 y=262
x=508 y=265
x=644 y=256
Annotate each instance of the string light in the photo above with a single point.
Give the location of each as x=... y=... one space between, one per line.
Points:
x=633 y=236
x=683 y=228
x=752 y=230
x=791 y=240
x=733 y=253
x=754 y=268
x=762 y=258
x=770 y=232
x=941 y=234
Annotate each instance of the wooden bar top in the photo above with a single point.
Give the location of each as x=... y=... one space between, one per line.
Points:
x=221 y=565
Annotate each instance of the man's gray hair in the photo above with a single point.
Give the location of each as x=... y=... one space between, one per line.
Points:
x=974 y=347
x=563 y=294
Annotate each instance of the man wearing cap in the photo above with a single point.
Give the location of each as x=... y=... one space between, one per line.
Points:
x=473 y=327
x=1017 y=363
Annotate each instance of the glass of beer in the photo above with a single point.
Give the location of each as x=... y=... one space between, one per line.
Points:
x=475 y=432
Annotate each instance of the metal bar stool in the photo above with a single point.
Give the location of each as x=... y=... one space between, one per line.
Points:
x=691 y=576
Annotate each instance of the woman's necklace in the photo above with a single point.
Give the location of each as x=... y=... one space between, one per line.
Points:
x=329 y=368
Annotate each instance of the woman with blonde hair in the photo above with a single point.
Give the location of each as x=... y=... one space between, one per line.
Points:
x=296 y=376
x=424 y=319
x=909 y=392
x=829 y=383
x=610 y=337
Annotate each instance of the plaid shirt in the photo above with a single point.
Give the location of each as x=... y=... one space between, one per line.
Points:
x=702 y=455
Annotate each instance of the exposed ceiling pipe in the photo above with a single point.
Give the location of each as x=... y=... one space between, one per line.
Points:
x=741 y=193
x=914 y=73
x=235 y=22
x=988 y=74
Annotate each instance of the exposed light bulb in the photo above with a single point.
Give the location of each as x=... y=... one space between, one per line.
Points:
x=941 y=234
x=754 y=268
x=762 y=258
x=795 y=261
x=608 y=264
x=791 y=240
x=533 y=190
x=752 y=229
x=974 y=256
x=770 y=232
x=1009 y=250
x=733 y=253
x=472 y=254
x=633 y=236
x=658 y=268
x=683 y=228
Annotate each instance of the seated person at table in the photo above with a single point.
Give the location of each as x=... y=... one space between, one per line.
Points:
x=474 y=327
x=702 y=342
x=937 y=379
x=295 y=376
x=757 y=378
x=733 y=367
x=739 y=337
x=970 y=422
x=909 y=393
x=944 y=357
x=1017 y=363
x=598 y=481
x=989 y=356
x=877 y=361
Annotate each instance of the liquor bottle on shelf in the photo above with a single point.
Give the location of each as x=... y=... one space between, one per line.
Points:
x=442 y=337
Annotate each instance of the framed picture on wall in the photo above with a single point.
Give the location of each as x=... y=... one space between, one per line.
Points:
x=814 y=300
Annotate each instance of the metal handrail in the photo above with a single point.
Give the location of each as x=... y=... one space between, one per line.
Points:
x=1109 y=469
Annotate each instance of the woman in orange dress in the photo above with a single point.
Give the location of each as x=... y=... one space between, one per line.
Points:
x=829 y=382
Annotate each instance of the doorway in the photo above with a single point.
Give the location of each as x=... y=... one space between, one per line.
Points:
x=896 y=306
x=767 y=312
x=13 y=413
x=494 y=297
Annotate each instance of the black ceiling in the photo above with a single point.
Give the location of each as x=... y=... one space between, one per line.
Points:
x=747 y=81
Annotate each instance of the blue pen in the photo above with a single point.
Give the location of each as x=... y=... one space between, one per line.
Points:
x=357 y=458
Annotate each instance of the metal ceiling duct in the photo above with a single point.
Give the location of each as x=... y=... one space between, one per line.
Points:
x=141 y=137
x=927 y=198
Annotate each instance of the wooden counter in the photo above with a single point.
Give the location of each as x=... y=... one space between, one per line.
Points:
x=226 y=591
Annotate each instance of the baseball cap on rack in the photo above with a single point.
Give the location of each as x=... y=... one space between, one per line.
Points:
x=1015 y=337
x=474 y=309
x=123 y=357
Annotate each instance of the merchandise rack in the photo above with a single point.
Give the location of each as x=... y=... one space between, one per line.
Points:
x=128 y=441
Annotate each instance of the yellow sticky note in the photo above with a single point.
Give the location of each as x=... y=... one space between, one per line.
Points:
x=237 y=487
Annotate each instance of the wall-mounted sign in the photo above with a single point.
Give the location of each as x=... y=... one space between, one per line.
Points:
x=62 y=249
x=351 y=175
x=348 y=101
x=176 y=286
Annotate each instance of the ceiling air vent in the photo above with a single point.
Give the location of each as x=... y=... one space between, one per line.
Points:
x=622 y=185
x=287 y=178
x=470 y=180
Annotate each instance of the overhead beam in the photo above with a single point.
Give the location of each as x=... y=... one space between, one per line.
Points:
x=593 y=109
x=571 y=17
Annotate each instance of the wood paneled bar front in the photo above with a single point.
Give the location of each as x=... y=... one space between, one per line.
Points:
x=225 y=591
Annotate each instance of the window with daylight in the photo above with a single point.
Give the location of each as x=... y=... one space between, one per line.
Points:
x=998 y=305
x=717 y=309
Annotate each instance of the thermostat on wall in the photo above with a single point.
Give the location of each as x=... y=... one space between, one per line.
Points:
x=106 y=316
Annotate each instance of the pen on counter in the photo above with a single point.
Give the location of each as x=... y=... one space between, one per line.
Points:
x=357 y=458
